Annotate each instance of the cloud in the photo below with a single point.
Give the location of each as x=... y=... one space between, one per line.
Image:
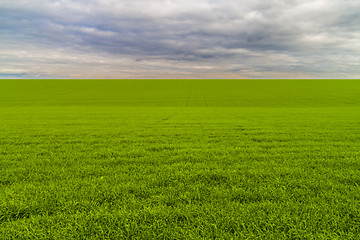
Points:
x=180 y=39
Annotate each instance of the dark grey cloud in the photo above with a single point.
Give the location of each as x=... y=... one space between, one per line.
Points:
x=173 y=38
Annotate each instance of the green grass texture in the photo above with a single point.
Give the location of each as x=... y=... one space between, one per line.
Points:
x=179 y=159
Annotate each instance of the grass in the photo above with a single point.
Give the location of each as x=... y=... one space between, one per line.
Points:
x=179 y=159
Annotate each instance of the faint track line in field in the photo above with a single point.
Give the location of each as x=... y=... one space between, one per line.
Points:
x=189 y=95
x=205 y=101
x=231 y=102
x=187 y=101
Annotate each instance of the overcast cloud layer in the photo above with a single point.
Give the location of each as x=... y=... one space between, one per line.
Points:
x=179 y=39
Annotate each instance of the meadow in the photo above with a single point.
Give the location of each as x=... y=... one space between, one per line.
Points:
x=179 y=159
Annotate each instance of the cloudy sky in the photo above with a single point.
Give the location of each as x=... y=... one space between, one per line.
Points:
x=179 y=39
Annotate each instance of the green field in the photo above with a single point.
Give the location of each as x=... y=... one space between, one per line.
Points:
x=179 y=159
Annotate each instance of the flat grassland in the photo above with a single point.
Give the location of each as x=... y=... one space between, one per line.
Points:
x=179 y=159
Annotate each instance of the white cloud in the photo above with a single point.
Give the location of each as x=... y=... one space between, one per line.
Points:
x=179 y=38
